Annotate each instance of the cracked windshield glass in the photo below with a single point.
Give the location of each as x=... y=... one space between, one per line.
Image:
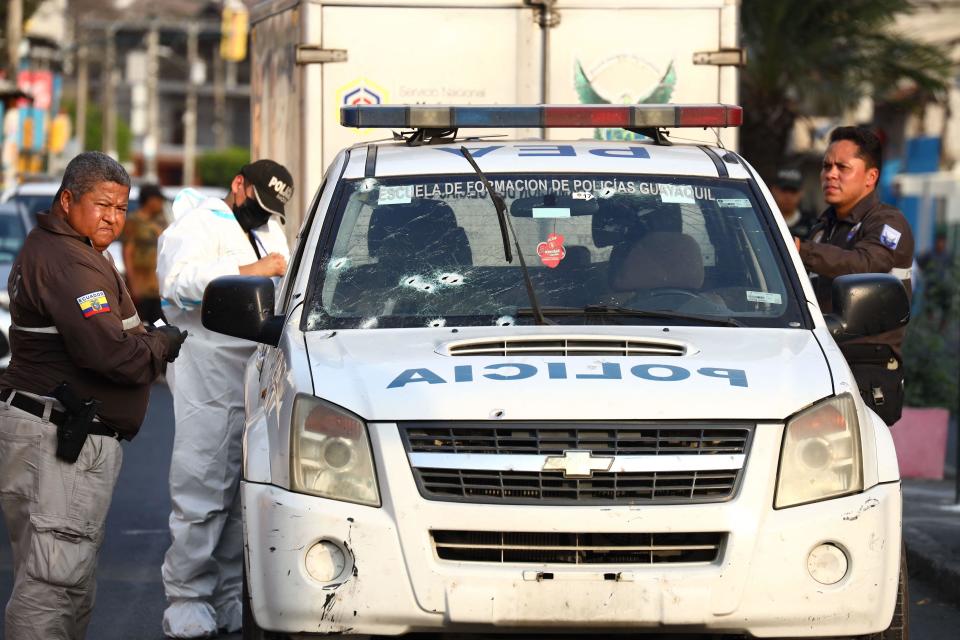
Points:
x=427 y=251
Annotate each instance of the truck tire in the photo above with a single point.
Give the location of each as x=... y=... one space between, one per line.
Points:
x=899 y=628
x=251 y=630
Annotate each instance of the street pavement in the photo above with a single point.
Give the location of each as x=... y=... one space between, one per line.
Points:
x=931 y=523
x=130 y=598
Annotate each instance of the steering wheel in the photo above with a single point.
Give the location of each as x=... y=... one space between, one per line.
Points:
x=692 y=300
x=673 y=291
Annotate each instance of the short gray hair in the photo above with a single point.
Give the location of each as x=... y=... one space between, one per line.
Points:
x=89 y=169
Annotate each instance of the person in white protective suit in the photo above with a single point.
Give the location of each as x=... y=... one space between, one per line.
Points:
x=203 y=568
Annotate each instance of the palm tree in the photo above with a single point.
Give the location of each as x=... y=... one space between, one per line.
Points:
x=820 y=56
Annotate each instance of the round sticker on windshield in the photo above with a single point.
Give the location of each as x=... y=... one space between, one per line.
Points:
x=552 y=252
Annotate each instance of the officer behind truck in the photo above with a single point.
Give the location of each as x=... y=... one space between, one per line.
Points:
x=78 y=383
x=859 y=234
x=787 y=192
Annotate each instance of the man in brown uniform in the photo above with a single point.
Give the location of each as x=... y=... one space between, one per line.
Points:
x=73 y=322
x=859 y=234
x=140 y=237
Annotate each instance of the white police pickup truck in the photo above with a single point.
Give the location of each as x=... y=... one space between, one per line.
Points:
x=527 y=385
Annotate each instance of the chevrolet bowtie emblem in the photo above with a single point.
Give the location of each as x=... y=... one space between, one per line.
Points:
x=576 y=463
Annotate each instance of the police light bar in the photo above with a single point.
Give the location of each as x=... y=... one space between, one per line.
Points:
x=642 y=116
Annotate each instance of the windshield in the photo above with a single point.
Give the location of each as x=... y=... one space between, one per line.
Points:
x=428 y=251
x=12 y=235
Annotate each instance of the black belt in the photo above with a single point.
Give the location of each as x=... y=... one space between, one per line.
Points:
x=37 y=407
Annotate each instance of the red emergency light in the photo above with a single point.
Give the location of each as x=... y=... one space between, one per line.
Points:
x=642 y=116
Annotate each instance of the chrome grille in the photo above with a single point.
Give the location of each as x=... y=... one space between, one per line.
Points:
x=553 y=438
x=577 y=548
x=515 y=487
x=636 y=463
x=562 y=346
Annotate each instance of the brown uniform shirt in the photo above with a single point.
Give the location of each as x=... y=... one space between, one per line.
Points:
x=85 y=329
x=873 y=238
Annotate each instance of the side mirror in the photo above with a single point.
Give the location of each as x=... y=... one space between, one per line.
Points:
x=867 y=304
x=242 y=307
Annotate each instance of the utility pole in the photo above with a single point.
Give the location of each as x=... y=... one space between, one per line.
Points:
x=151 y=141
x=190 y=115
x=219 y=102
x=83 y=82
x=14 y=31
x=109 y=95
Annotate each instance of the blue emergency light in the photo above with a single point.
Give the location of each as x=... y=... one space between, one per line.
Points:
x=644 y=116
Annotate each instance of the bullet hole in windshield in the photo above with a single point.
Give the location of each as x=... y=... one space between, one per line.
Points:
x=369 y=323
x=437 y=322
x=417 y=282
x=452 y=279
x=339 y=264
x=505 y=321
x=368 y=184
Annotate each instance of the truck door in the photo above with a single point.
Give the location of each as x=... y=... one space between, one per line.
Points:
x=476 y=53
x=640 y=51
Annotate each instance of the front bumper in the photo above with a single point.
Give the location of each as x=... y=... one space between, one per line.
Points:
x=395 y=583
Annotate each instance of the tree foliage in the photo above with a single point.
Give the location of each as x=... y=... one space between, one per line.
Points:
x=93 y=132
x=931 y=351
x=217 y=168
x=818 y=57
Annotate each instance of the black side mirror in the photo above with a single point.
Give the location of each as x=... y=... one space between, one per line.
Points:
x=242 y=307
x=867 y=304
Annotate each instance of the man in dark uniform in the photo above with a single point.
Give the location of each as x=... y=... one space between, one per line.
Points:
x=74 y=323
x=787 y=191
x=859 y=234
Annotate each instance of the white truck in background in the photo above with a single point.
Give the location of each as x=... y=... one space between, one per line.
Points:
x=311 y=57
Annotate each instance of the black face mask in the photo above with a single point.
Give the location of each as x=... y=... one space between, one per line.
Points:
x=250 y=214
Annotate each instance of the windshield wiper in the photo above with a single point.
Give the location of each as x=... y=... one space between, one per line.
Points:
x=505 y=224
x=613 y=309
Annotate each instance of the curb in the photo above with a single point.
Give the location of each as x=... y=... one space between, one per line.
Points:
x=927 y=559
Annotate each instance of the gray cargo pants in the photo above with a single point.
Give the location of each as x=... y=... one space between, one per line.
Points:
x=55 y=514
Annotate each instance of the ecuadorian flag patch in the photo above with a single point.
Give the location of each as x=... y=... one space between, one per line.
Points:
x=93 y=303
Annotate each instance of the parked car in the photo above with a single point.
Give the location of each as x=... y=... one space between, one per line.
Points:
x=14 y=226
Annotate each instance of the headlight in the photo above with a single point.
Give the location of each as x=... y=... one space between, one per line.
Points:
x=820 y=457
x=330 y=453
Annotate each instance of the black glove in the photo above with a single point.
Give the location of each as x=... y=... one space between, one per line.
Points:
x=174 y=338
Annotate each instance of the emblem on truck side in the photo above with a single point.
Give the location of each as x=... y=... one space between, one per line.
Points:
x=578 y=463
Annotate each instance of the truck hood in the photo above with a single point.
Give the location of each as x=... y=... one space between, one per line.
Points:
x=718 y=373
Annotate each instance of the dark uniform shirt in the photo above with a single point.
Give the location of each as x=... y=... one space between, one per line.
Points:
x=74 y=322
x=873 y=238
x=802 y=225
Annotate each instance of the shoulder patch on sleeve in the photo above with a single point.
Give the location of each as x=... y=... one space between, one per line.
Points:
x=93 y=303
x=889 y=237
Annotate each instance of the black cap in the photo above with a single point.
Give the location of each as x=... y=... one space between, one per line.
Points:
x=148 y=191
x=272 y=184
x=789 y=178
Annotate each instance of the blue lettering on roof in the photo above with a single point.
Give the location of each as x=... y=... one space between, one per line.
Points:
x=554 y=151
x=628 y=152
x=546 y=150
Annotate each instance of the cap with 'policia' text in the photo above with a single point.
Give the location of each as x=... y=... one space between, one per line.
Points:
x=272 y=184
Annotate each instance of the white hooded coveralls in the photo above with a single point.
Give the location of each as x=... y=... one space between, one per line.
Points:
x=202 y=569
